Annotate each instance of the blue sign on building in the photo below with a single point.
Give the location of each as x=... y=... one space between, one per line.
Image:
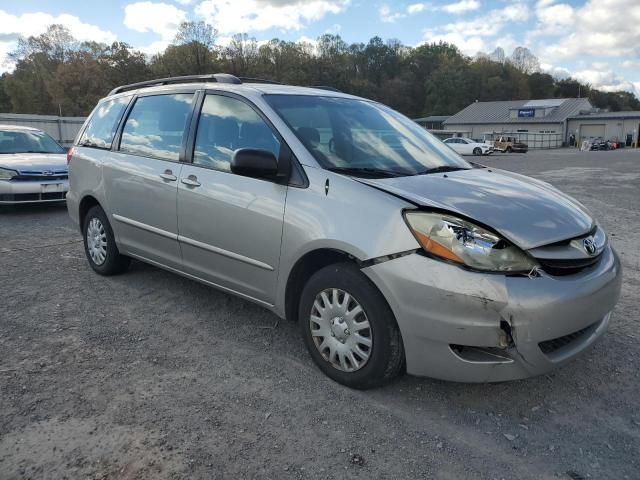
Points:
x=527 y=112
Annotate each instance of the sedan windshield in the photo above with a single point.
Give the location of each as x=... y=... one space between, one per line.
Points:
x=28 y=141
x=360 y=137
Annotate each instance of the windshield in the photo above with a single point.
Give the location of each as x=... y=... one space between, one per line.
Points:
x=28 y=141
x=363 y=136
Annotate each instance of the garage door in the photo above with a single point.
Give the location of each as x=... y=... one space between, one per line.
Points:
x=591 y=131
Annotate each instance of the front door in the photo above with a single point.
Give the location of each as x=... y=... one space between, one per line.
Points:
x=230 y=226
x=142 y=178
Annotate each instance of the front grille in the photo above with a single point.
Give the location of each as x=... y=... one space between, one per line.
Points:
x=31 y=177
x=560 y=267
x=551 y=346
x=32 y=197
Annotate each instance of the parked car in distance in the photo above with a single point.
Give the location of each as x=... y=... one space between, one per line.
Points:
x=391 y=251
x=33 y=166
x=467 y=146
x=507 y=144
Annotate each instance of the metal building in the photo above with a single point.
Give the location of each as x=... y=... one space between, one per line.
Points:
x=538 y=123
x=622 y=126
x=62 y=129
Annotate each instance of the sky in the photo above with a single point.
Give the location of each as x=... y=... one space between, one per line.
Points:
x=595 y=41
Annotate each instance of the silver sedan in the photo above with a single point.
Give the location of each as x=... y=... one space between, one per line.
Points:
x=33 y=166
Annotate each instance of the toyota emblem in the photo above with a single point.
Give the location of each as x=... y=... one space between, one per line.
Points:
x=589 y=245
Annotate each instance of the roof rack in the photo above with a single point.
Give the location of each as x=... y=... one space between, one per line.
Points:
x=259 y=80
x=215 y=77
x=324 y=87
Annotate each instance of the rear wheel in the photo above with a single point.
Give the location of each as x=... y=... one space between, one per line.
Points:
x=349 y=329
x=100 y=245
x=477 y=151
x=509 y=150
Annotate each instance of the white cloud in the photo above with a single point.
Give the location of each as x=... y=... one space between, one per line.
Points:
x=334 y=29
x=416 y=8
x=160 y=18
x=600 y=27
x=154 y=47
x=631 y=64
x=238 y=16
x=556 y=72
x=478 y=35
x=36 y=23
x=462 y=6
x=553 y=16
x=387 y=16
x=32 y=24
x=606 y=80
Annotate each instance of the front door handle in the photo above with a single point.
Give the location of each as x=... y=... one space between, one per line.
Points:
x=191 y=181
x=168 y=176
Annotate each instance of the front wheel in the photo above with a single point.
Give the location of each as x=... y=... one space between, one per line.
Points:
x=509 y=150
x=349 y=329
x=100 y=245
x=477 y=151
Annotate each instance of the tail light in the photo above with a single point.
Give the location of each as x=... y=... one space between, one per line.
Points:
x=70 y=153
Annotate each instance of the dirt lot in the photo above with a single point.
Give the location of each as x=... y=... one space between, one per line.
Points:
x=149 y=375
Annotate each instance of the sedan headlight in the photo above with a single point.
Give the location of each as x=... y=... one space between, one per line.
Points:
x=459 y=241
x=6 y=174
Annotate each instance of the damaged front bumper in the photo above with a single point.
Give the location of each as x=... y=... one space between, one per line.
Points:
x=474 y=327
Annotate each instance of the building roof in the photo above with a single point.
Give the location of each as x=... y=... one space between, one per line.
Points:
x=607 y=115
x=499 y=112
x=432 y=119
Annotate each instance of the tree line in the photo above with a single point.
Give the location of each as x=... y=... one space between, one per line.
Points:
x=55 y=73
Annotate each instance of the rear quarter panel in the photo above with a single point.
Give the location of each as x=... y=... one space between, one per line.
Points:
x=85 y=179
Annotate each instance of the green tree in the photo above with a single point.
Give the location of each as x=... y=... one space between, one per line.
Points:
x=541 y=85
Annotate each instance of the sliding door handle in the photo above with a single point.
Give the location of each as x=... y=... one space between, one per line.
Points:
x=168 y=176
x=191 y=181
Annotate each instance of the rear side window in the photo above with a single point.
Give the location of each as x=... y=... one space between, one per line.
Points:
x=225 y=125
x=103 y=123
x=156 y=125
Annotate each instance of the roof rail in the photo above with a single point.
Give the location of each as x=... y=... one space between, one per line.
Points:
x=215 y=77
x=324 y=87
x=259 y=80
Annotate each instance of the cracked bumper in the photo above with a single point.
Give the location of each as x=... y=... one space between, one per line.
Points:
x=438 y=305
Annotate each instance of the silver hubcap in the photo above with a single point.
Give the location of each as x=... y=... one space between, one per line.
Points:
x=340 y=329
x=97 y=241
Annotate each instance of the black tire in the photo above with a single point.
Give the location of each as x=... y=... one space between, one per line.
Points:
x=386 y=356
x=509 y=150
x=114 y=263
x=477 y=151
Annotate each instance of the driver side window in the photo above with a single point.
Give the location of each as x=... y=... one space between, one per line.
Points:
x=225 y=125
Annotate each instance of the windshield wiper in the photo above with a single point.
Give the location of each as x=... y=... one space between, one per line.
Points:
x=441 y=169
x=369 y=171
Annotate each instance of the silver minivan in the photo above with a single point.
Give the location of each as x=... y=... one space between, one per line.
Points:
x=391 y=251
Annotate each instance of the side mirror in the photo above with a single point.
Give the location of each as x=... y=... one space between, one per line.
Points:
x=250 y=162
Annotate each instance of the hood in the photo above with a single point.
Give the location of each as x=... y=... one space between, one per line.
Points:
x=527 y=212
x=34 y=162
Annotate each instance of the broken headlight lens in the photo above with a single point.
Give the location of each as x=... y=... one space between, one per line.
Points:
x=459 y=241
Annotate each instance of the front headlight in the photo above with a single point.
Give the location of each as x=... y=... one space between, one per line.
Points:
x=6 y=174
x=459 y=241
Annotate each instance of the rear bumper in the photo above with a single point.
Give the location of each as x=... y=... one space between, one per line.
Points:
x=473 y=327
x=15 y=192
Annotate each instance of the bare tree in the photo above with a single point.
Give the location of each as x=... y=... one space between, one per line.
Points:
x=524 y=60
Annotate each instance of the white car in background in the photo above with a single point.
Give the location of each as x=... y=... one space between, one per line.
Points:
x=466 y=146
x=33 y=166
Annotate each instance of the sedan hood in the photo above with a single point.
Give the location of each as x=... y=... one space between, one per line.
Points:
x=527 y=212
x=34 y=162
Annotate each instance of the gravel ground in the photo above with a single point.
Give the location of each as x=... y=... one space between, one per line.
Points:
x=149 y=375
